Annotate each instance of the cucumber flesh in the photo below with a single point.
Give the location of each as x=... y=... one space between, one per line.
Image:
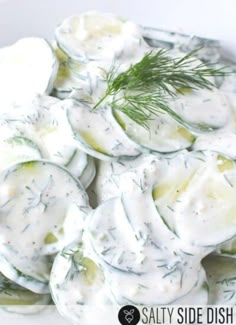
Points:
x=97 y=39
x=17 y=299
x=163 y=135
x=42 y=122
x=130 y=287
x=222 y=142
x=31 y=192
x=198 y=295
x=135 y=251
x=19 y=64
x=77 y=284
x=109 y=142
x=210 y=109
x=206 y=219
x=17 y=149
x=88 y=173
x=82 y=166
x=222 y=279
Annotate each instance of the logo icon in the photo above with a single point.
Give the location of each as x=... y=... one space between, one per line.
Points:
x=129 y=315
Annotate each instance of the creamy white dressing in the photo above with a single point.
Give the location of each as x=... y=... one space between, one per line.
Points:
x=27 y=68
x=211 y=212
x=36 y=219
x=39 y=129
x=157 y=216
x=98 y=134
x=205 y=107
x=94 y=36
x=221 y=277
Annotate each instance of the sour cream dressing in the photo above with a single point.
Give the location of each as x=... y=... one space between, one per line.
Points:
x=159 y=211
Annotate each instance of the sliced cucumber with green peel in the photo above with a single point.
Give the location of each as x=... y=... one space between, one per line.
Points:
x=163 y=134
x=98 y=36
x=204 y=108
x=37 y=284
x=106 y=183
x=170 y=284
x=199 y=295
x=105 y=143
x=17 y=299
x=27 y=68
x=117 y=241
x=194 y=194
x=82 y=166
x=88 y=173
x=221 y=274
x=42 y=124
x=17 y=149
x=135 y=250
x=228 y=248
x=35 y=218
x=223 y=142
x=74 y=79
x=77 y=285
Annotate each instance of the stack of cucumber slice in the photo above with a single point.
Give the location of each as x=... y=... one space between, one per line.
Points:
x=96 y=210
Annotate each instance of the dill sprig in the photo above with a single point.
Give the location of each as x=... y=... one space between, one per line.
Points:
x=146 y=88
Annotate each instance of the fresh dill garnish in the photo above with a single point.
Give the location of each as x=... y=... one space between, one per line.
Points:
x=145 y=89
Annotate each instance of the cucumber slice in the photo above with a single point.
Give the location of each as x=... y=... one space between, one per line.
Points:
x=77 y=285
x=123 y=238
x=16 y=299
x=82 y=166
x=208 y=50
x=82 y=81
x=223 y=142
x=77 y=163
x=163 y=135
x=33 y=192
x=198 y=295
x=206 y=108
x=170 y=284
x=105 y=143
x=137 y=251
x=106 y=183
x=228 y=84
x=43 y=121
x=17 y=149
x=27 y=67
x=62 y=84
x=38 y=284
x=89 y=173
x=53 y=133
x=221 y=273
x=98 y=36
x=227 y=249
x=117 y=243
x=205 y=219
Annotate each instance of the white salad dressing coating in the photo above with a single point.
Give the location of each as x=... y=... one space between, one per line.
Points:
x=146 y=253
x=83 y=78
x=20 y=63
x=204 y=107
x=17 y=299
x=94 y=35
x=36 y=219
x=98 y=134
x=222 y=282
x=39 y=129
x=211 y=213
x=79 y=287
x=134 y=238
x=162 y=205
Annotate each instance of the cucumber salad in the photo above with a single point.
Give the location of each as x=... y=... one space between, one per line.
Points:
x=117 y=170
